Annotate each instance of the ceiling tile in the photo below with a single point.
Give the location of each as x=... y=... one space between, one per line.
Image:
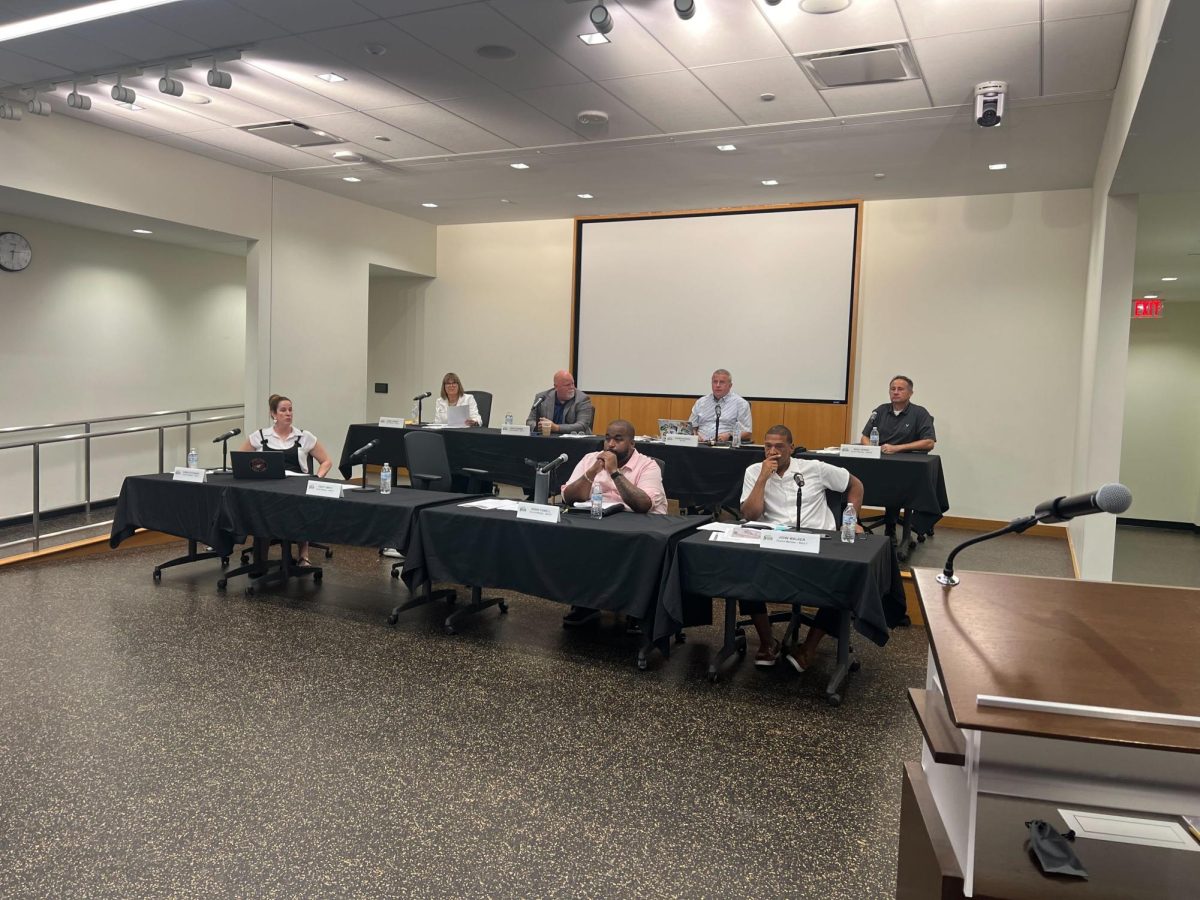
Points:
x=512 y=119
x=862 y=23
x=721 y=31
x=407 y=62
x=69 y=51
x=136 y=37
x=298 y=16
x=565 y=102
x=16 y=10
x=930 y=18
x=186 y=142
x=739 y=85
x=20 y=69
x=262 y=89
x=673 y=101
x=955 y=63
x=1085 y=54
x=458 y=31
x=862 y=99
x=632 y=51
x=299 y=62
x=1070 y=9
x=363 y=129
x=388 y=8
x=438 y=126
x=214 y=23
x=224 y=108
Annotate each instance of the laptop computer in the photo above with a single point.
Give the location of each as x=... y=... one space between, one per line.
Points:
x=674 y=426
x=257 y=463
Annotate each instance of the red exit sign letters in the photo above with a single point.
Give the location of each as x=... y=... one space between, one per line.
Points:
x=1147 y=309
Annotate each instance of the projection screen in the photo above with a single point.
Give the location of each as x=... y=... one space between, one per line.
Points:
x=767 y=294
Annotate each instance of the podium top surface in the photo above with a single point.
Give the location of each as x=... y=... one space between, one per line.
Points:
x=1094 y=643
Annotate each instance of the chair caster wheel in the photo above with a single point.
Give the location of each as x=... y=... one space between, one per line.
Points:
x=317 y=576
x=395 y=573
x=158 y=574
x=393 y=618
x=642 y=664
x=503 y=607
x=713 y=677
x=245 y=559
x=224 y=562
x=221 y=584
x=449 y=629
x=855 y=666
x=833 y=699
x=680 y=637
x=741 y=651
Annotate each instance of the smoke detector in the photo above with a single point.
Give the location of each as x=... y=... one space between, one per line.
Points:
x=592 y=117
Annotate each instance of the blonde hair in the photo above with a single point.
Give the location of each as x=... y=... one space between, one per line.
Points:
x=450 y=376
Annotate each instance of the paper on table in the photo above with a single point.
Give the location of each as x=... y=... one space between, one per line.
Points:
x=491 y=503
x=1128 y=829
x=718 y=526
x=587 y=504
x=291 y=474
x=737 y=536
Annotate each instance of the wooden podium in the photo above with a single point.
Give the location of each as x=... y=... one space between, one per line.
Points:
x=986 y=770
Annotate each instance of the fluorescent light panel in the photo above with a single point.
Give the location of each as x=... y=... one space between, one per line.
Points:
x=89 y=13
x=352 y=179
x=142 y=231
x=518 y=165
x=770 y=182
x=430 y=205
x=726 y=148
x=331 y=77
x=997 y=167
x=594 y=37
x=585 y=196
x=1170 y=278
x=1150 y=297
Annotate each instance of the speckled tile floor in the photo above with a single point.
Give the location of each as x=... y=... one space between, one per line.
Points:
x=173 y=740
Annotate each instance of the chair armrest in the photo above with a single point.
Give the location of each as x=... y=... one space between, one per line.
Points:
x=477 y=473
x=425 y=480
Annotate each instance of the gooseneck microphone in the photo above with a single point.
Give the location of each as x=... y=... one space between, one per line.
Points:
x=548 y=467
x=422 y=396
x=1108 y=498
x=799 y=479
x=365 y=448
x=232 y=432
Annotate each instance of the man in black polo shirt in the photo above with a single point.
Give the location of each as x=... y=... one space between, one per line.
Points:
x=903 y=427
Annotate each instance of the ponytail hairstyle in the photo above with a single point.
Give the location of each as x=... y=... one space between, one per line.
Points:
x=274 y=400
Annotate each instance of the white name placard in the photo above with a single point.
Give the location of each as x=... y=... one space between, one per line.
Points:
x=682 y=440
x=865 y=451
x=332 y=489
x=538 y=512
x=390 y=422
x=518 y=430
x=184 y=473
x=792 y=541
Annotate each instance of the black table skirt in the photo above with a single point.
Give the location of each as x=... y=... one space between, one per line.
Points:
x=618 y=563
x=223 y=511
x=502 y=456
x=914 y=481
x=863 y=577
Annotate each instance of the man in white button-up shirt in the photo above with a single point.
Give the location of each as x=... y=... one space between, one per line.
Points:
x=734 y=411
x=769 y=492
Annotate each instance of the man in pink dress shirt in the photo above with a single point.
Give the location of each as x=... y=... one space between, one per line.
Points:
x=624 y=476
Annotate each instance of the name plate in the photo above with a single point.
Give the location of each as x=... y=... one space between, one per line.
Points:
x=793 y=541
x=184 y=473
x=682 y=440
x=518 y=430
x=865 y=451
x=539 y=512
x=390 y=422
x=332 y=489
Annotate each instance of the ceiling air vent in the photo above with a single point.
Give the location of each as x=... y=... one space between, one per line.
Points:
x=860 y=65
x=291 y=134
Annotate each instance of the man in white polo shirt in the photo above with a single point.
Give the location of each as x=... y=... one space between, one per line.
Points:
x=769 y=491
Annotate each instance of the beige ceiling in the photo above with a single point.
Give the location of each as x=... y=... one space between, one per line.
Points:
x=454 y=120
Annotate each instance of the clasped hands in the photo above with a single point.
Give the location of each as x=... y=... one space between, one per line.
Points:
x=605 y=462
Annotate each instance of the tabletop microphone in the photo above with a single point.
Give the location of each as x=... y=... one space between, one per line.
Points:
x=227 y=435
x=1112 y=498
x=422 y=396
x=553 y=464
x=365 y=448
x=799 y=479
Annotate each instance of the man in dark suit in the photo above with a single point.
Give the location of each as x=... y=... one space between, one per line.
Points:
x=564 y=409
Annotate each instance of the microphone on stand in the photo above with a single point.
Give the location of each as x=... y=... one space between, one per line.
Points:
x=232 y=432
x=224 y=441
x=365 y=448
x=1112 y=498
x=533 y=412
x=799 y=479
x=548 y=467
x=417 y=400
x=422 y=396
x=717 y=424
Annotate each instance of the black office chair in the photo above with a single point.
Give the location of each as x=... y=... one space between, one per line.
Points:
x=429 y=470
x=483 y=399
x=313 y=465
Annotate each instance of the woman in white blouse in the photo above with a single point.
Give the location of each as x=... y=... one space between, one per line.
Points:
x=452 y=395
x=299 y=447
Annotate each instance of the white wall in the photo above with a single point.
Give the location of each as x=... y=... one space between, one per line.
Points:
x=980 y=301
x=395 y=346
x=103 y=324
x=1159 y=461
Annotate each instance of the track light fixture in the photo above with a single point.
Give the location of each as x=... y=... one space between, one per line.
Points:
x=169 y=85
x=601 y=20
x=773 y=2
x=685 y=9
x=10 y=112
x=38 y=107
x=219 y=79
x=122 y=94
x=76 y=100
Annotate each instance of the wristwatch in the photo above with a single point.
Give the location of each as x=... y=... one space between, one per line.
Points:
x=616 y=475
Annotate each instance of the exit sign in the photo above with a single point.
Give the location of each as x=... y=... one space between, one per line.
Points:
x=1147 y=309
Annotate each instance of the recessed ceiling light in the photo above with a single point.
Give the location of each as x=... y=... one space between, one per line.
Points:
x=1150 y=297
x=430 y=205
x=495 y=51
x=518 y=165
x=347 y=155
x=352 y=179
x=375 y=49
x=593 y=38
x=766 y=97
x=319 y=134
x=585 y=196
x=880 y=175
x=997 y=167
x=725 y=148
x=193 y=97
x=142 y=231
x=1170 y=278
x=770 y=182
x=331 y=77
x=506 y=201
x=131 y=106
x=823 y=7
x=89 y=13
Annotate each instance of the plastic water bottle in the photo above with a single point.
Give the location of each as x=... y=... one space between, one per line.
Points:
x=849 y=520
x=597 y=502
x=874 y=437
x=736 y=441
x=508 y=419
x=193 y=459
x=385 y=479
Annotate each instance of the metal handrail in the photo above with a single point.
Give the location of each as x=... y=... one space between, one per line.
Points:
x=87 y=435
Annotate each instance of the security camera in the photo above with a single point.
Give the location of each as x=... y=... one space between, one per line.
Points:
x=989 y=103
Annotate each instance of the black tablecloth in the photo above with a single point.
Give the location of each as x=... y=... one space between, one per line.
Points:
x=703 y=476
x=502 y=456
x=224 y=511
x=913 y=481
x=863 y=577
x=618 y=563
